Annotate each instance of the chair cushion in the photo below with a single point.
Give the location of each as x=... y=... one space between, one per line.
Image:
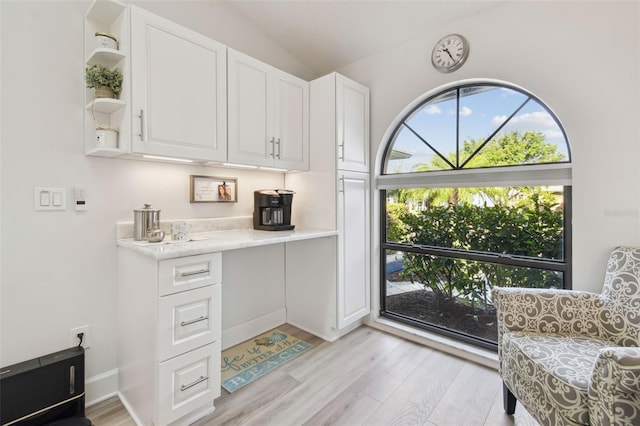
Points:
x=550 y=370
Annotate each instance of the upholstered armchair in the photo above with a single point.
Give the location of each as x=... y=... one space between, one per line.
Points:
x=572 y=357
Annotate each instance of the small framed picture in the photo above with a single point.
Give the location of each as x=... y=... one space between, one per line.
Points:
x=213 y=189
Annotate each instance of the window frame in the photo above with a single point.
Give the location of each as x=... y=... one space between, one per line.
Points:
x=564 y=266
x=538 y=174
x=408 y=113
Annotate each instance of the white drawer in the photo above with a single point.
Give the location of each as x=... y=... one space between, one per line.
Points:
x=188 y=382
x=186 y=273
x=189 y=320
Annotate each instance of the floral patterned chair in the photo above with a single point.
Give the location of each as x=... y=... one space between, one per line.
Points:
x=572 y=357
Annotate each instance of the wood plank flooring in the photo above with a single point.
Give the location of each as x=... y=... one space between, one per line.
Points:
x=368 y=377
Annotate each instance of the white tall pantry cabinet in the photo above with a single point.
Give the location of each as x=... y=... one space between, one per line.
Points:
x=334 y=194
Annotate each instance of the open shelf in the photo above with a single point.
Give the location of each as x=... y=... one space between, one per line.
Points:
x=105 y=105
x=105 y=56
x=106 y=152
x=111 y=17
x=105 y=11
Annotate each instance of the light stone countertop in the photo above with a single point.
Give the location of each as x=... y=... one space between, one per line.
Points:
x=215 y=241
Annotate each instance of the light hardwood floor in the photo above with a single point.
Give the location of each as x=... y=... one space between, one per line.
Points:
x=367 y=377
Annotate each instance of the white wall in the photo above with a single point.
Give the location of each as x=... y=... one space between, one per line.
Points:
x=580 y=58
x=59 y=269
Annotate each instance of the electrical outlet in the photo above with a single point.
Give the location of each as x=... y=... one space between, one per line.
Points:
x=86 y=340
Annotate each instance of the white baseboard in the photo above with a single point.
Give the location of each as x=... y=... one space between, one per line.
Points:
x=129 y=409
x=252 y=328
x=193 y=417
x=332 y=335
x=186 y=420
x=100 y=387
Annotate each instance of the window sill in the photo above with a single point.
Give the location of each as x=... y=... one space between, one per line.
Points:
x=462 y=350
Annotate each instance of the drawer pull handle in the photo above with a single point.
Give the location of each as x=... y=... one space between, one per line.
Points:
x=190 y=385
x=190 y=273
x=193 y=321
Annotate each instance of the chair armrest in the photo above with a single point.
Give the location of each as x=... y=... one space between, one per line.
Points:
x=614 y=387
x=547 y=311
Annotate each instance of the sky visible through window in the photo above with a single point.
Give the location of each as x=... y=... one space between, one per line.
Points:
x=482 y=110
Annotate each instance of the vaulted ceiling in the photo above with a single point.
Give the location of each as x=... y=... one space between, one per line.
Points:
x=327 y=34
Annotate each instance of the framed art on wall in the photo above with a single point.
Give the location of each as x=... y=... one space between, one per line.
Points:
x=213 y=189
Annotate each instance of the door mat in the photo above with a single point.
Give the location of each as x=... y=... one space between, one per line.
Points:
x=248 y=361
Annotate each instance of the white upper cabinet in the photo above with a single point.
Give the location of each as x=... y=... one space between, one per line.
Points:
x=250 y=92
x=352 y=125
x=291 y=121
x=178 y=90
x=268 y=115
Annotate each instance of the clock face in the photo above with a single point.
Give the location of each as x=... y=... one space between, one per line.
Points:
x=450 y=53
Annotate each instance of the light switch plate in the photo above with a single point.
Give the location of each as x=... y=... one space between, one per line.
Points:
x=48 y=199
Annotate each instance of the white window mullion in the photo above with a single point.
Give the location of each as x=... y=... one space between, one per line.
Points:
x=536 y=175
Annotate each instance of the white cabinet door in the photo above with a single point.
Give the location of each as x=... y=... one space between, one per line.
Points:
x=352 y=116
x=353 y=247
x=178 y=90
x=250 y=92
x=291 y=121
x=268 y=115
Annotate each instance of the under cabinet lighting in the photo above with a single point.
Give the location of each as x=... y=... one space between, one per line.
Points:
x=273 y=169
x=157 y=157
x=240 y=166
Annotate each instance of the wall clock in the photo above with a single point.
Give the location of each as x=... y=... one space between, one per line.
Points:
x=449 y=53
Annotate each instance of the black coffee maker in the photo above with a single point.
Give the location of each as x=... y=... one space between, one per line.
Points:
x=272 y=209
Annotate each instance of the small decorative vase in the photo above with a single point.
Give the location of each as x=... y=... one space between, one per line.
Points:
x=104 y=92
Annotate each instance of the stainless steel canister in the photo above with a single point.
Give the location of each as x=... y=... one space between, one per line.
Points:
x=144 y=220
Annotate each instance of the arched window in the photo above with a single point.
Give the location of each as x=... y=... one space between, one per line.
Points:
x=475 y=191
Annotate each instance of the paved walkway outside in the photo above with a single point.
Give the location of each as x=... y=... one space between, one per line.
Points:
x=402 y=287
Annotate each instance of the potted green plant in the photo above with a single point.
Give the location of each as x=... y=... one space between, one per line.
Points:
x=107 y=82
